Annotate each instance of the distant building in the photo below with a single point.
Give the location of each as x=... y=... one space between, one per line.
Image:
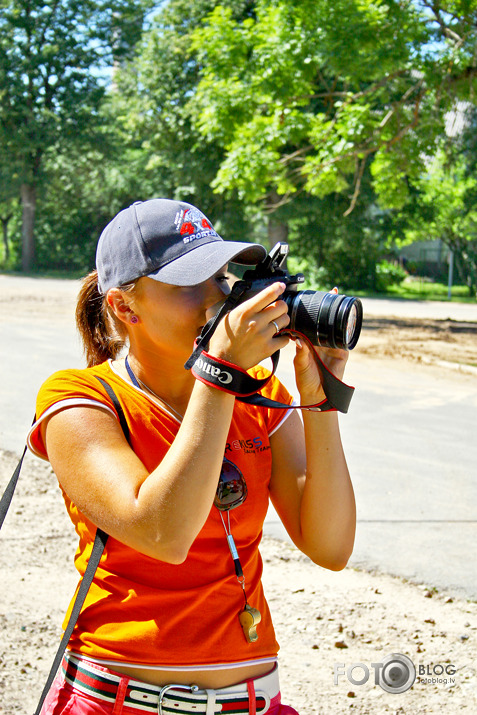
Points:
x=426 y=258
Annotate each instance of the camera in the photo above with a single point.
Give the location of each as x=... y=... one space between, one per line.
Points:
x=326 y=319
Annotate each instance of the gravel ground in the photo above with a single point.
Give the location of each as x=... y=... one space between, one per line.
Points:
x=322 y=618
x=326 y=622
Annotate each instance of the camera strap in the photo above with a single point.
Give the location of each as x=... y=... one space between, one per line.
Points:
x=232 y=300
x=99 y=544
x=233 y=379
x=230 y=378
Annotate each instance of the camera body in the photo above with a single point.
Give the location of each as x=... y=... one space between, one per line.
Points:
x=326 y=319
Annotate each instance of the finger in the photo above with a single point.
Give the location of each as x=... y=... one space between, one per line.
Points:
x=281 y=323
x=280 y=342
x=277 y=311
x=266 y=296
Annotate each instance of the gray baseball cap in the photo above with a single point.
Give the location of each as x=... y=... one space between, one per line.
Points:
x=170 y=241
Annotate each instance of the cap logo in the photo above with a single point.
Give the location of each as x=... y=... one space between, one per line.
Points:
x=192 y=225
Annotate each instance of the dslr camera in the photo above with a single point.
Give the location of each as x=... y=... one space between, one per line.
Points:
x=326 y=319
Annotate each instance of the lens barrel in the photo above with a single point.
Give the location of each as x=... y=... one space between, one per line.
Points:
x=327 y=319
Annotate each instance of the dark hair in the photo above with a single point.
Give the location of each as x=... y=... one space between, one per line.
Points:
x=103 y=336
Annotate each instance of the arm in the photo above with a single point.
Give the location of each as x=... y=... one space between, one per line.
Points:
x=310 y=487
x=158 y=514
x=161 y=513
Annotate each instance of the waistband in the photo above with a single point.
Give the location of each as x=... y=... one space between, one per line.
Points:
x=102 y=684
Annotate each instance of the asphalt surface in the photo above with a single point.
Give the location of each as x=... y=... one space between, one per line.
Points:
x=409 y=436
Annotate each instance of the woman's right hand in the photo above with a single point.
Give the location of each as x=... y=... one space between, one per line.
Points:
x=246 y=335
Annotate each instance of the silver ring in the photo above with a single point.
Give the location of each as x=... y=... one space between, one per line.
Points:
x=276 y=327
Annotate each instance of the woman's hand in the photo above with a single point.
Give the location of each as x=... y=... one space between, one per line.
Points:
x=247 y=334
x=307 y=375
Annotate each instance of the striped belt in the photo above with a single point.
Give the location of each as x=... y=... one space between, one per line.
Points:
x=182 y=699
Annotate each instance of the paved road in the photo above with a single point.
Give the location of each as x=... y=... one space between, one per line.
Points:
x=434 y=310
x=410 y=444
x=409 y=437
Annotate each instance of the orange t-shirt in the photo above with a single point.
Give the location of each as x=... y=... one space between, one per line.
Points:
x=140 y=610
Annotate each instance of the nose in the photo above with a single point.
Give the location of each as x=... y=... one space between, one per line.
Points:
x=216 y=290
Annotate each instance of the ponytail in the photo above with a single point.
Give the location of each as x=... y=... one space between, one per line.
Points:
x=100 y=333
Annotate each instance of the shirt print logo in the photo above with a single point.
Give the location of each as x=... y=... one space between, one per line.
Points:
x=247 y=446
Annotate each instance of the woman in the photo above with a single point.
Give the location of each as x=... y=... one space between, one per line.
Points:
x=177 y=599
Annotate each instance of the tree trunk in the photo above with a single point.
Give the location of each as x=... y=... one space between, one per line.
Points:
x=28 y=196
x=277 y=230
x=5 y=220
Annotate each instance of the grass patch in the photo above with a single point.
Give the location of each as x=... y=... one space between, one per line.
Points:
x=423 y=289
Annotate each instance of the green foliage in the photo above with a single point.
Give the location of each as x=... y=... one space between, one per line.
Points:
x=322 y=118
x=52 y=56
x=315 y=276
x=342 y=250
x=445 y=209
x=153 y=111
x=304 y=94
x=388 y=274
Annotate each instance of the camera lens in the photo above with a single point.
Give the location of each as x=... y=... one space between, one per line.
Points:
x=327 y=319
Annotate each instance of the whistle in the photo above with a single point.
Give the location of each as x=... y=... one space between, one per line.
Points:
x=249 y=620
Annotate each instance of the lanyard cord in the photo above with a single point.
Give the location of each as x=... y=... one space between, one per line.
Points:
x=234 y=554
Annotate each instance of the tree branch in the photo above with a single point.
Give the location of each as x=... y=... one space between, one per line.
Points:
x=445 y=29
x=357 y=184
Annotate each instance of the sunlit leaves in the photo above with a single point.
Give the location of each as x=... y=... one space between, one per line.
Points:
x=353 y=82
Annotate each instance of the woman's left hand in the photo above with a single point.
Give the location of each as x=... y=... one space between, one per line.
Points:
x=307 y=375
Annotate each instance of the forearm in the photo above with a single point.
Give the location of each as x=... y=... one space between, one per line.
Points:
x=327 y=510
x=176 y=498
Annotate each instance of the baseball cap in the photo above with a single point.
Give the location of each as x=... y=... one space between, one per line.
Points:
x=170 y=241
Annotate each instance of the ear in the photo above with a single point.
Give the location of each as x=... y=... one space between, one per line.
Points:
x=120 y=304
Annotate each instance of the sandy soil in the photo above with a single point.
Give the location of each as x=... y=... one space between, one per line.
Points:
x=325 y=621
x=426 y=341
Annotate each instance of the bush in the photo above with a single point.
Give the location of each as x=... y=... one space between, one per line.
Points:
x=315 y=277
x=388 y=274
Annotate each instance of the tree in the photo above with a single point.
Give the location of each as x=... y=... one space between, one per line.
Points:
x=52 y=55
x=151 y=106
x=159 y=103
x=448 y=212
x=305 y=97
x=9 y=188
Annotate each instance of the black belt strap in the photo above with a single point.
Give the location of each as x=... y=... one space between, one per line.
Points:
x=7 y=495
x=93 y=561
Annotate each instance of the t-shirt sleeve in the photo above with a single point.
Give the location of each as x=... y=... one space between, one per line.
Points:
x=274 y=390
x=63 y=390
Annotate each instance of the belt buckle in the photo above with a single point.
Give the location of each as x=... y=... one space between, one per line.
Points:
x=174 y=686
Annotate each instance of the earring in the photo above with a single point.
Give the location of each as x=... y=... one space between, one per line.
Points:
x=134 y=319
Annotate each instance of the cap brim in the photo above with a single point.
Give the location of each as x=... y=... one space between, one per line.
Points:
x=201 y=263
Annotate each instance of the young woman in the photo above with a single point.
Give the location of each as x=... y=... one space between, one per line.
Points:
x=176 y=619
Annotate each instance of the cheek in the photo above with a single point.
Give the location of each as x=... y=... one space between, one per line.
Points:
x=191 y=302
x=184 y=316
